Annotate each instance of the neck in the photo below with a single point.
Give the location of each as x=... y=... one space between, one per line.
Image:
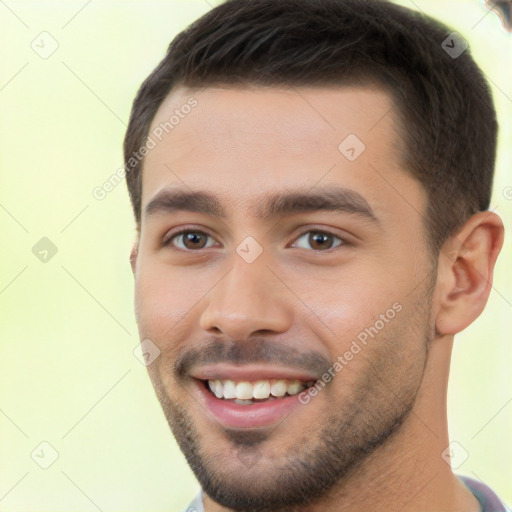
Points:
x=408 y=473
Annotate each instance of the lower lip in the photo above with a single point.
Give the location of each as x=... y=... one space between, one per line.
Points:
x=260 y=414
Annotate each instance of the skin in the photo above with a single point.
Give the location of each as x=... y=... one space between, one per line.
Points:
x=373 y=438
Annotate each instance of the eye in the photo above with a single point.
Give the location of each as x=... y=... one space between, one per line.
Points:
x=190 y=240
x=318 y=240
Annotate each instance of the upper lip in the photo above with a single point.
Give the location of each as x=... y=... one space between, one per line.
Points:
x=250 y=373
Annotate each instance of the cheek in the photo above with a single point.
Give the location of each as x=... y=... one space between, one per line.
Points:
x=162 y=296
x=356 y=311
x=163 y=308
x=349 y=299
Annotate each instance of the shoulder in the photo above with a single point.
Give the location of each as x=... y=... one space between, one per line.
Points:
x=484 y=494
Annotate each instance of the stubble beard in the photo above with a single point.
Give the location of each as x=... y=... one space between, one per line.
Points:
x=343 y=439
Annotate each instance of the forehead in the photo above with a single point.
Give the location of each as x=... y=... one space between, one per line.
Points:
x=243 y=142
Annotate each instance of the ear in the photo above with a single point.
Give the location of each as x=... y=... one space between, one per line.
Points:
x=465 y=271
x=133 y=255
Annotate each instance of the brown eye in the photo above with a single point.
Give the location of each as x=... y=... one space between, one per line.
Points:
x=319 y=240
x=189 y=240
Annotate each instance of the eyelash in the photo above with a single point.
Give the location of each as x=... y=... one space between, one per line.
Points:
x=172 y=235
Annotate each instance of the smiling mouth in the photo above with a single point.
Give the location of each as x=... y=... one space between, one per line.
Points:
x=246 y=392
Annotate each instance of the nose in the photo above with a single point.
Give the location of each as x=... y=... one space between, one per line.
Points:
x=248 y=300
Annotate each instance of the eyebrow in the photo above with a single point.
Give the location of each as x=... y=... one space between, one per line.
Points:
x=271 y=206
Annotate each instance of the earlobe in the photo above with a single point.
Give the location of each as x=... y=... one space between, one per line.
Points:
x=466 y=269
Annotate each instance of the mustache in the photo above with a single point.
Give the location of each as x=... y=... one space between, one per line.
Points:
x=249 y=352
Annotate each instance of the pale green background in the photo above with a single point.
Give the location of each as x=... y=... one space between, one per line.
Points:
x=67 y=369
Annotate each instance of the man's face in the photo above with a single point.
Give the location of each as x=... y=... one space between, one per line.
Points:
x=326 y=284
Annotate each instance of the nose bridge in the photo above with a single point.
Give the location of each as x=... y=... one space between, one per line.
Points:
x=247 y=299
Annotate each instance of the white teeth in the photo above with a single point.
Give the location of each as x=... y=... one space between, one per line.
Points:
x=229 y=389
x=218 y=389
x=295 y=387
x=278 y=388
x=244 y=391
x=261 y=389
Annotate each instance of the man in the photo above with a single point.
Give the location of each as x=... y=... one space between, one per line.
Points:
x=311 y=182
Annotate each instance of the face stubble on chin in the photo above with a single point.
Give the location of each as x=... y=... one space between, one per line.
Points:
x=372 y=404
